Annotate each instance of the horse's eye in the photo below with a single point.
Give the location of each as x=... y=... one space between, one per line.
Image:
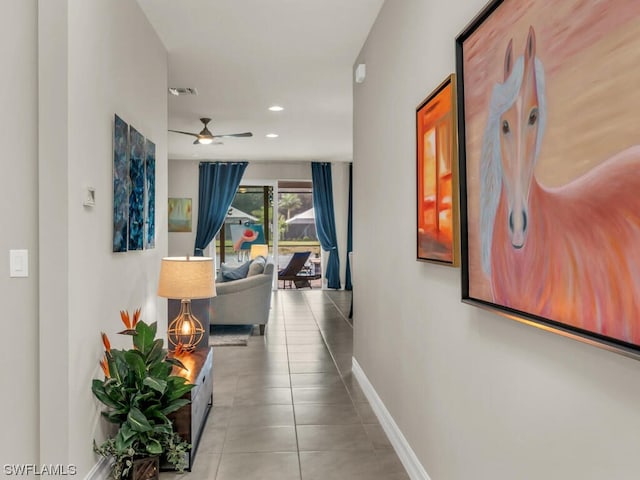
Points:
x=533 y=116
x=505 y=127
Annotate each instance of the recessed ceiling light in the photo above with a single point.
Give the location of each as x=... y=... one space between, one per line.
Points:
x=276 y=108
x=271 y=135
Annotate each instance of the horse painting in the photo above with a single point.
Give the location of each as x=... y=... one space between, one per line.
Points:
x=570 y=253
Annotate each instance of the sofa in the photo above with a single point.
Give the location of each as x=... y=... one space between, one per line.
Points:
x=245 y=301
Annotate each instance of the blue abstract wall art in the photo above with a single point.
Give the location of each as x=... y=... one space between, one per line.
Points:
x=120 y=185
x=136 y=191
x=150 y=195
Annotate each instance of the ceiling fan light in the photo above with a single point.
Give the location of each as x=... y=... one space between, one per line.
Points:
x=276 y=108
x=205 y=141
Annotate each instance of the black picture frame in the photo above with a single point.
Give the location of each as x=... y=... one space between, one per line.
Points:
x=469 y=174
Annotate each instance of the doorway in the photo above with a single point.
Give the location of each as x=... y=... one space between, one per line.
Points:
x=297 y=231
x=287 y=229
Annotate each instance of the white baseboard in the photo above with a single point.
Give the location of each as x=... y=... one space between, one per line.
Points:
x=100 y=470
x=407 y=456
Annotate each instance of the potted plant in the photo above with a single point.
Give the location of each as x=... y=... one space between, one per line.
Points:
x=139 y=393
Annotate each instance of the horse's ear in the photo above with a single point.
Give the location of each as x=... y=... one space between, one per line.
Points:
x=508 y=60
x=530 y=50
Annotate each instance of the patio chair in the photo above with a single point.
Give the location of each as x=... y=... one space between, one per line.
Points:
x=293 y=274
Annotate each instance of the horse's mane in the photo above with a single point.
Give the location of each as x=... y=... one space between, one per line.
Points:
x=502 y=97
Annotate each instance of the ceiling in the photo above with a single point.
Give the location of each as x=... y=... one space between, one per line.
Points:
x=243 y=56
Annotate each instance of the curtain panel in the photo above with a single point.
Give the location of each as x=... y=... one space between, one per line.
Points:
x=347 y=281
x=325 y=219
x=218 y=184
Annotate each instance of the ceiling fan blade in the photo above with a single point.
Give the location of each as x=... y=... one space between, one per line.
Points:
x=245 y=134
x=185 y=133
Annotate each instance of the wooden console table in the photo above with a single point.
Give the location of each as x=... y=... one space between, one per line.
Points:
x=189 y=420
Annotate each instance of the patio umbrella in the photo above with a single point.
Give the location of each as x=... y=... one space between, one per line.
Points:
x=306 y=217
x=236 y=214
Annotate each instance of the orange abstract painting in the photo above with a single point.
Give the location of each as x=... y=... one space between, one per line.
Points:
x=436 y=167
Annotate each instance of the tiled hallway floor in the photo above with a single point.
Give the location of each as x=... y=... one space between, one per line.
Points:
x=287 y=407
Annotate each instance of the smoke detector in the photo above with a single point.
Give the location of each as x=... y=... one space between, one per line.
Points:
x=182 y=91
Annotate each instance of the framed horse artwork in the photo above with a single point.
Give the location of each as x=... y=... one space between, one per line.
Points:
x=549 y=161
x=437 y=183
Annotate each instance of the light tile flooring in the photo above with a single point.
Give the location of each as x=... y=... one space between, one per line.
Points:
x=287 y=407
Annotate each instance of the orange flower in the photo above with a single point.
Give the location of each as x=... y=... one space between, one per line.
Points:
x=136 y=317
x=179 y=350
x=105 y=367
x=124 y=315
x=106 y=342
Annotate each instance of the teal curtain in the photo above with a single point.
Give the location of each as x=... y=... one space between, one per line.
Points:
x=347 y=281
x=219 y=183
x=325 y=219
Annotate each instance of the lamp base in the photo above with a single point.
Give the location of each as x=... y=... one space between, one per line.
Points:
x=185 y=330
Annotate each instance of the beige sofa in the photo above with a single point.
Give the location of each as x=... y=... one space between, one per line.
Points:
x=244 y=302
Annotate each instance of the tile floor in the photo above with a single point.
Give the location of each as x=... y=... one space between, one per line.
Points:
x=287 y=407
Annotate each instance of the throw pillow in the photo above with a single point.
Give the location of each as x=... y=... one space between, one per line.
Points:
x=257 y=266
x=234 y=273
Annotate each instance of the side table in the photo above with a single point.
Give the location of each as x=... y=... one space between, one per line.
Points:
x=189 y=420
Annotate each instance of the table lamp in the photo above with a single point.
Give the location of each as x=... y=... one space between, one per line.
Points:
x=186 y=279
x=259 y=249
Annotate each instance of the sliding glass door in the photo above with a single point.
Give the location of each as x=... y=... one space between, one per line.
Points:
x=252 y=207
x=297 y=227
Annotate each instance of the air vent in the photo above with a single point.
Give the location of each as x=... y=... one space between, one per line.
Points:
x=182 y=91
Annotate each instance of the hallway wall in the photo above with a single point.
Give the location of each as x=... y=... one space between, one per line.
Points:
x=96 y=59
x=476 y=395
x=19 y=209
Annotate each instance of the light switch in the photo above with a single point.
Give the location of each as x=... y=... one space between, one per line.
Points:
x=89 y=197
x=18 y=263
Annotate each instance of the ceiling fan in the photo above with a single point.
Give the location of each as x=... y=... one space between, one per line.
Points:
x=205 y=137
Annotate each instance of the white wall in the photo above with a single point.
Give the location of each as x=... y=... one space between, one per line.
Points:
x=53 y=226
x=340 y=185
x=278 y=171
x=19 y=208
x=115 y=63
x=183 y=183
x=477 y=396
x=266 y=171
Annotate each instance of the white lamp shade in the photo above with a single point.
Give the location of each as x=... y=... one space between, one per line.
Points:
x=186 y=278
x=258 y=249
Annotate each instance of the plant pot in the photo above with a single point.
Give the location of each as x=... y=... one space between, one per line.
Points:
x=145 y=468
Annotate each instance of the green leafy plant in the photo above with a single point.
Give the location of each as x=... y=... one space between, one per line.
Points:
x=139 y=393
